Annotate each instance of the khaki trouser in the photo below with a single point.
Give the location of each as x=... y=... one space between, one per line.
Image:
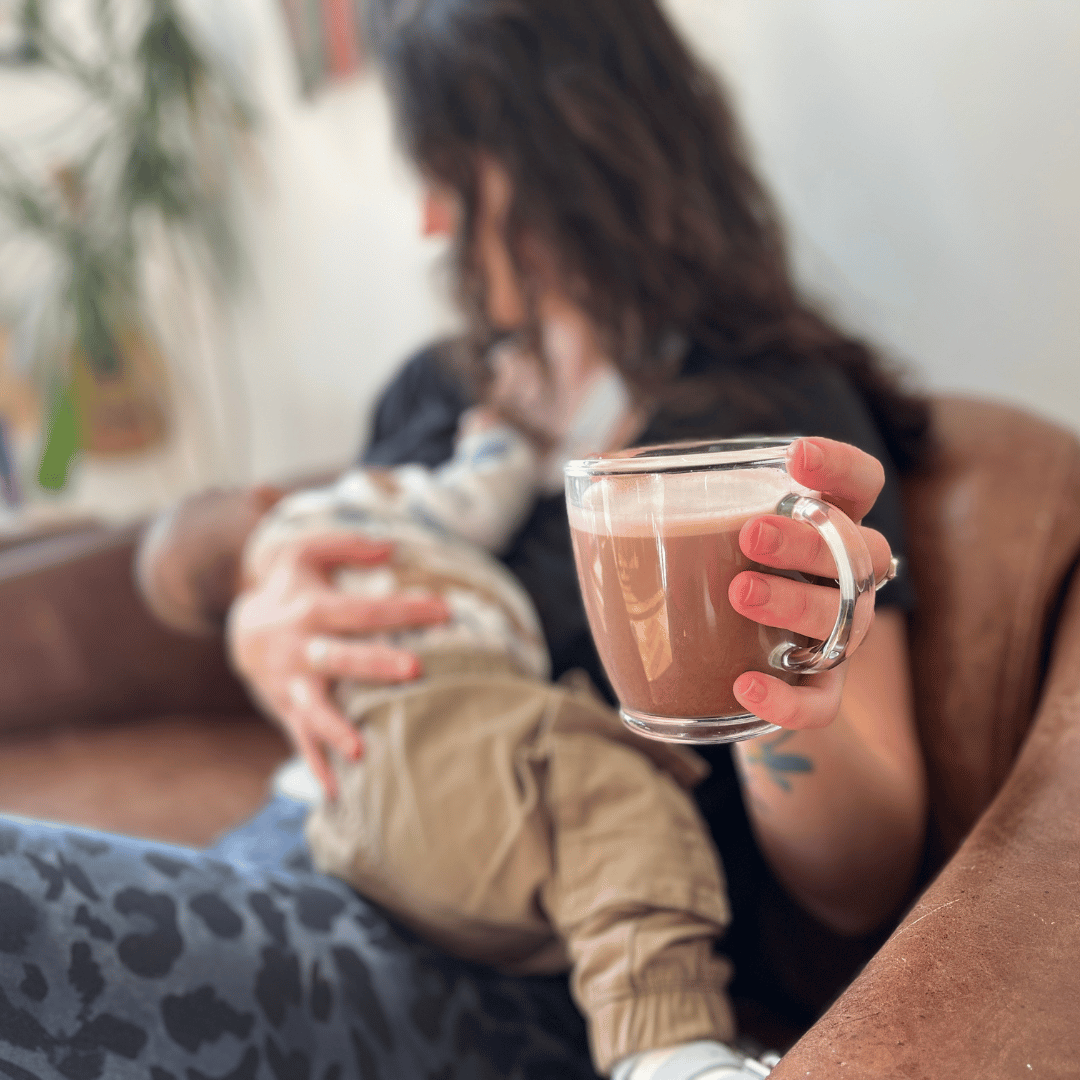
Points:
x=519 y=824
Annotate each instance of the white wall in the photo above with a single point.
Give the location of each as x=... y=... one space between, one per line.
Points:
x=926 y=153
x=346 y=287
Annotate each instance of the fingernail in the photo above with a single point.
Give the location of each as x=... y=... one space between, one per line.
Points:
x=813 y=457
x=765 y=538
x=407 y=665
x=751 y=688
x=753 y=591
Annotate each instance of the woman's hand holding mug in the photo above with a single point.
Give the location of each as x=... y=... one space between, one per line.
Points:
x=851 y=480
x=293 y=633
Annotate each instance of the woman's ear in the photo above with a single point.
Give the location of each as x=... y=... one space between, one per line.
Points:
x=507 y=307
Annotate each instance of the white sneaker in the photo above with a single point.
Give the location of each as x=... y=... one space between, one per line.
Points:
x=703 y=1060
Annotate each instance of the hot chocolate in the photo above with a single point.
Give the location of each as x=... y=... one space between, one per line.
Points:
x=655 y=579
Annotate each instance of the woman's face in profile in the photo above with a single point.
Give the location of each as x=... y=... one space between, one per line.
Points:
x=440 y=216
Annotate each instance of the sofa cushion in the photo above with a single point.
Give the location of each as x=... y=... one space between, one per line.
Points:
x=183 y=779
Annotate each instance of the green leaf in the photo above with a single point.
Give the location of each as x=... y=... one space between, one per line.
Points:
x=62 y=442
x=30 y=212
x=31 y=23
x=170 y=59
x=92 y=285
x=152 y=176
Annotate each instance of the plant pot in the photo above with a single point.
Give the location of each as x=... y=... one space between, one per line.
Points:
x=126 y=412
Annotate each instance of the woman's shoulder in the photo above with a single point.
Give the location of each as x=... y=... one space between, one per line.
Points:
x=776 y=393
x=784 y=394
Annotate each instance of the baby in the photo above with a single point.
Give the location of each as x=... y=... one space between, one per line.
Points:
x=513 y=821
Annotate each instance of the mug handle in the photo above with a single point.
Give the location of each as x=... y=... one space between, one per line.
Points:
x=855 y=576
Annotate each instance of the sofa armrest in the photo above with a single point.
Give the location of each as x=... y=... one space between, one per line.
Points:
x=981 y=979
x=77 y=643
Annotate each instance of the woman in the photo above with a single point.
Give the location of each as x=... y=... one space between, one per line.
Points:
x=602 y=210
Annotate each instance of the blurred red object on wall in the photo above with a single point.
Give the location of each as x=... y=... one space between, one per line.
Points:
x=327 y=37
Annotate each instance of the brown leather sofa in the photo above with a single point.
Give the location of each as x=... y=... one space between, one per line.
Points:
x=108 y=720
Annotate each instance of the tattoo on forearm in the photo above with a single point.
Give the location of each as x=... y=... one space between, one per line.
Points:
x=765 y=752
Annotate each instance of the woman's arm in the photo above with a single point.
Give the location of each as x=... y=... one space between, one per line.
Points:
x=839 y=799
x=840 y=811
x=189 y=570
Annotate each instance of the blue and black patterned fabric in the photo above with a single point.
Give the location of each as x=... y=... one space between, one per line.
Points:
x=123 y=958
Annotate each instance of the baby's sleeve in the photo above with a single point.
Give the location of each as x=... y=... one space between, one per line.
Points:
x=483 y=494
x=299 y=514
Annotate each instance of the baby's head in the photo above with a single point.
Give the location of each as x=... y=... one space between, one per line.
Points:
x=189 y=583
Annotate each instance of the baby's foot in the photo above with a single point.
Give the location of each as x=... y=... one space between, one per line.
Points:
x=704 y=1060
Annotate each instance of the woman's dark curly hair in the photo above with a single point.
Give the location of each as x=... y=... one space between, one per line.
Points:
x=624 y=156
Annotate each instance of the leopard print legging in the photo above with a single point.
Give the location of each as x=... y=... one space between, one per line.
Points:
x=123 y=958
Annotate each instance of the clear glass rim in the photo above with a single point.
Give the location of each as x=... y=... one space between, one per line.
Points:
x=692 y=456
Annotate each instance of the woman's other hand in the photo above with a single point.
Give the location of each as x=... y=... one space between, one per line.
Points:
x=291 y=634
x=851 y=480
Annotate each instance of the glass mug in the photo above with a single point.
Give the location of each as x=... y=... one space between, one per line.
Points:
x=656 y=541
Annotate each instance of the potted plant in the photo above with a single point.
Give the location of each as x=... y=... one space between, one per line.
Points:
x=152 y=172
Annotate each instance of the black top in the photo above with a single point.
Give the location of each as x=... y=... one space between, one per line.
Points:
x=416 y=422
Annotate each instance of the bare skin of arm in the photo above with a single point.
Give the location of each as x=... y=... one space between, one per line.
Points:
x=840 y=811
x=838 y=799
